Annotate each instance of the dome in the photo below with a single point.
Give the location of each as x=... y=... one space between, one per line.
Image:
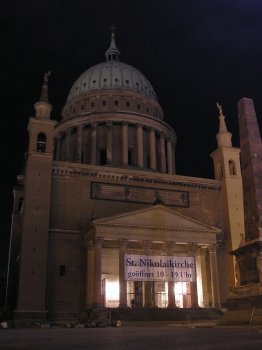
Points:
x=112 y=86
x=111 y=75
x=112 y=118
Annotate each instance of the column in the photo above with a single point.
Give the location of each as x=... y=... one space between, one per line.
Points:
x=89 y=274
x=93 y=143
x=152 y=149
x=58 y=147
x=169 y=157
x=140 y=151
x=122 y=282
x=163 y=153
x=214 y=276
x=79 y=143
x=109 y=156
x=171 y=284
x=202 y=289
x=193 y=284
x=125 y=143
x=97 y=271
x=148 y=290
x=68 y=135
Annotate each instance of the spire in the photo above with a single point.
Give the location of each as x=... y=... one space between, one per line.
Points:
x=44 y=92
x=223 y=137
x=112 y=54
x=43 y=108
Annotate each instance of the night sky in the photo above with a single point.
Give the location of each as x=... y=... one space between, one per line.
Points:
x=195 y=53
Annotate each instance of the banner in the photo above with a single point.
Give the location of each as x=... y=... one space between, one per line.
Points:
x=159 y=268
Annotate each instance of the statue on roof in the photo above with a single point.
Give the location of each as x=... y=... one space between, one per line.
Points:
x=47 y=75
x=219 y=107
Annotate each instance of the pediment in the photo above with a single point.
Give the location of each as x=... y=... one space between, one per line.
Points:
x=157 y=216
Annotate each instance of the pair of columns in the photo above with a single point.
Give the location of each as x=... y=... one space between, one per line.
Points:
x=166 y=153
x=171 y=295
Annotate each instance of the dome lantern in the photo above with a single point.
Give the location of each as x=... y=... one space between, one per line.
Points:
x=112 y=54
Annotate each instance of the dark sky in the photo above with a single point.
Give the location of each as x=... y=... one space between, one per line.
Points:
x=194 y=53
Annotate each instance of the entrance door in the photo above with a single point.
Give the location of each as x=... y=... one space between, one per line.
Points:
x=160 y=294
x=135 y=294
x=182 y=294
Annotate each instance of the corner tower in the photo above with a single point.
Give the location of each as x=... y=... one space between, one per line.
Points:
x=227 y=170
x=31 y=304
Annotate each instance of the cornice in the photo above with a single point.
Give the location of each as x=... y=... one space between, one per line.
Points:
x=65 y=169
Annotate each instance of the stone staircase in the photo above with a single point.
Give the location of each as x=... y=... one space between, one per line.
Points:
x=157 y=314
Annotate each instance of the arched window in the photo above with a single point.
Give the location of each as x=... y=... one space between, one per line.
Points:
x=41 y=142
x=232 y=168
x=20 y=204
x=219 y=170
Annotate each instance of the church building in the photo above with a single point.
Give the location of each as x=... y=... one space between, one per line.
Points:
x=100 y=218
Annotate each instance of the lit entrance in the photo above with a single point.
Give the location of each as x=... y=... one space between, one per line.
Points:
x=135 y=294
x=110 y=292
x=183 y=295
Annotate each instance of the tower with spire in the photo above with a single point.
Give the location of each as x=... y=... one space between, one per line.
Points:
x=31 y=299
x=227 y=170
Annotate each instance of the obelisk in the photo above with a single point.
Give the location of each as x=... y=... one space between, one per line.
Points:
x=251 y=168
x=249 y=254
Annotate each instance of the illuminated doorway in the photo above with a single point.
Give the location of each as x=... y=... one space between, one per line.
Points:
x=182 y=294
x=160 y=294
x=110 y=292
x=135 y=294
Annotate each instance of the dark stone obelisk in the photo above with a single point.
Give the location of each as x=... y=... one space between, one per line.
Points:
x=248 y=294
x=251 y=167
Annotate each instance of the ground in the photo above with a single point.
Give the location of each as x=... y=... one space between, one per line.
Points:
x=133 y=337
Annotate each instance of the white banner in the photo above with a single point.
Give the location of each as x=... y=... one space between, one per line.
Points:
x=159 y=268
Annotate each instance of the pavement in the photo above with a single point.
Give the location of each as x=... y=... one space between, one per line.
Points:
x=134 y=336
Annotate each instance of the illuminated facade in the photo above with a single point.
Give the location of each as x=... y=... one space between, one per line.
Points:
x=101 y=219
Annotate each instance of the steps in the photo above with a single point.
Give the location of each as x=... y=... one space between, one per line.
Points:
x=177 y=314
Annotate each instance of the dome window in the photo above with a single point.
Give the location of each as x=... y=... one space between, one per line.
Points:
x=127 y=81
x=138 y=106
x=76 y=88
x=94 y=81
x=116 y=79
x=92 y=104
x=105 y=80
x=128 y=104
x=116 y=102
x=84 y=84
x=104 y=103
x=137 y=84
x=102 y=156
x=131 y=158
x=82 y=107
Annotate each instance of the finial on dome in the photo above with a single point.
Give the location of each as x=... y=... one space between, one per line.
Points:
x=113 y=30
x=112 y=54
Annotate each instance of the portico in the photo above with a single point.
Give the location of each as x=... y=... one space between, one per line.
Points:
x=160 y=238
